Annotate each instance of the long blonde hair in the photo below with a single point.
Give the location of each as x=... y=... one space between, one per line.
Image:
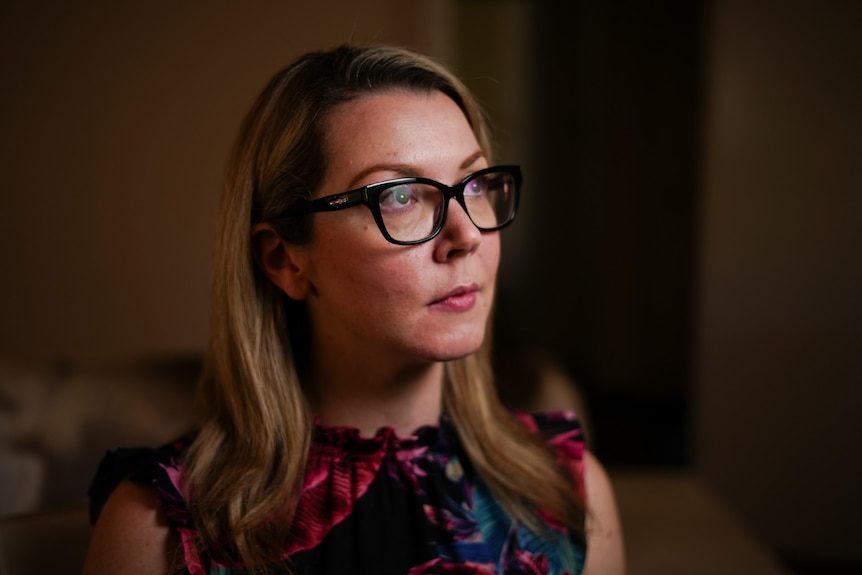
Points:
x=245 y=468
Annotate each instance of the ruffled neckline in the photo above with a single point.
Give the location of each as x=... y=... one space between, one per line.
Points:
x=349 y=438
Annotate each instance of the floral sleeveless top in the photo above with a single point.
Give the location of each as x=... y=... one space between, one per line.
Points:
x=388 y=504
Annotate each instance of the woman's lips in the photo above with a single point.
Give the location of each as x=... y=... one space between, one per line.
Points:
x=459 y=299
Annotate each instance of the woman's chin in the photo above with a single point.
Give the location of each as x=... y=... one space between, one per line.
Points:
x=458 y=349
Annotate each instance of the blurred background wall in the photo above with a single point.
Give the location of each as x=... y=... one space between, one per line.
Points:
x=778 y=366
x=688 y=247
x=117 y=119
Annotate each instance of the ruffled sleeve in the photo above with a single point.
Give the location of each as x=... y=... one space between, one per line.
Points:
x=562 y=432
x=159 y=468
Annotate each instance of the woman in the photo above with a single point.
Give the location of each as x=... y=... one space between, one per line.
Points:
x=348 y=418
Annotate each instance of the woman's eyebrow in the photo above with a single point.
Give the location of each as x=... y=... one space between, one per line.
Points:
x=401 y=170
x=405 y=170
x=472 y=159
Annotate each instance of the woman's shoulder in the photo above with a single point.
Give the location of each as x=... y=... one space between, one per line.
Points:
x=132 y=534
x=136 y=502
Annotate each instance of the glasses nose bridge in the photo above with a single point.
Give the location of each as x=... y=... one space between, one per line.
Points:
x=450 y=192
x=457 y=192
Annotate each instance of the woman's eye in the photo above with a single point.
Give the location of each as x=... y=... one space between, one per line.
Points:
x=401 y=196
x=476 y=187
x=398 y=196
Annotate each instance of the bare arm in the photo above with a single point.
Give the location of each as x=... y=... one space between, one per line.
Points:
x=605 y=555
x=131 y=535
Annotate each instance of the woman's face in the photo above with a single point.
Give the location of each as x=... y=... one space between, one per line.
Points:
x=372 y=299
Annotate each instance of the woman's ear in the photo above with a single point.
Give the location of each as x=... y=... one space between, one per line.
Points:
x=281 y=262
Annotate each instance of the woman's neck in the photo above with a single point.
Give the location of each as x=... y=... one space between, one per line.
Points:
x=369 y=399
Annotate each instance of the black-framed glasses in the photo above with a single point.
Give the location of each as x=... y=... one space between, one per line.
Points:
x=413 y=210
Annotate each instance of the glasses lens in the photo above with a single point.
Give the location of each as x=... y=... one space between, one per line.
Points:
x=410 y=211
x=490 y=199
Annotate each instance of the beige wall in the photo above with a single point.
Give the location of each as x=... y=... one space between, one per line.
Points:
x=116 y=120
x=779 y=379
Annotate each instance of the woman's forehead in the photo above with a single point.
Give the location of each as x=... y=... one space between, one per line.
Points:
x=398 y=132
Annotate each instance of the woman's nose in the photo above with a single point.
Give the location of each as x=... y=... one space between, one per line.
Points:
x=459 y=235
